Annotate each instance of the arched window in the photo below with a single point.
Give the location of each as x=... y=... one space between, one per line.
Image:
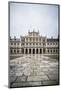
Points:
x=48 y=50
x=17 y=51
x=29 y=51
x=37 y=50
x=14 y=51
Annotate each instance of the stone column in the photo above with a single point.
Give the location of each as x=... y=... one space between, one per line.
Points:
x=24 y=50
x=31 y=51
x=20 y=51
x=46 y=51
x=35 y=50
x=52 y=51
x=28 y=50
x=38 y=50
x=42 y=50
x=13 y=50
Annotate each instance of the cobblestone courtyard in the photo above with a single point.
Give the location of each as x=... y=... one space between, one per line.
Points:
x=33 y=70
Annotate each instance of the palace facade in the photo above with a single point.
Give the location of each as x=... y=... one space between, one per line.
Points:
x=33 y=43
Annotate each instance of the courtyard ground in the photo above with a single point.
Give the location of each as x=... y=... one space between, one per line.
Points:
x=33 y=70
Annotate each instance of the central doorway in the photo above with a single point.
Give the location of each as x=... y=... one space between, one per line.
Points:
x=26 y=51
x=33 y=51
x=29 y=51
x=37 y=51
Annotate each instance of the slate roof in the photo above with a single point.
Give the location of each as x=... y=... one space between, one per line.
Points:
x=52 y=39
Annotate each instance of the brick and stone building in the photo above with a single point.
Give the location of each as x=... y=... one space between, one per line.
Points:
x=33 y=43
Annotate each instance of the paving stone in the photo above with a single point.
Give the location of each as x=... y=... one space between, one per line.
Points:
x=37 y=78
x=53 y=76
x=50 y=82
x=21 y=78
x=22 y=84
x=12 y=78
x=45 y=70
x=37 y=70
x=53 y=70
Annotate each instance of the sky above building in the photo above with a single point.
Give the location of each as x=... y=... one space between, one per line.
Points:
x=26 y=17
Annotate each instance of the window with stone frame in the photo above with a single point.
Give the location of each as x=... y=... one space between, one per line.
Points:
x=26 y=43
x=51 y=50
x=39 y=43
x=54 y=50
x=44 y=44
x=14 y=51
x=36 y=43
x=17 y=51
x=11 y=43
x=48 y=50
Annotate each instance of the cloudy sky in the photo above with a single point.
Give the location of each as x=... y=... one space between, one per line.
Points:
x=24 y=17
